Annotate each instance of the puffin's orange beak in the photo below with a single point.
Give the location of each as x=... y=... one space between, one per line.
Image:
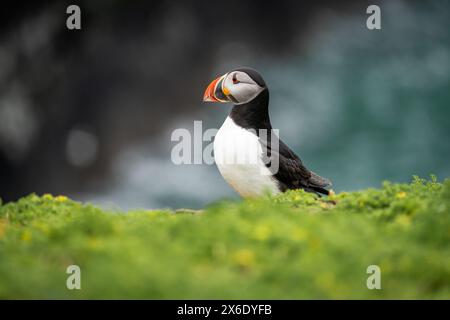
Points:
x=212 y=90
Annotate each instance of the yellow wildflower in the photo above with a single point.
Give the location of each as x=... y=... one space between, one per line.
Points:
x=61 y=198
x=244 y=258
x=262 y=232
x=401 y=195
x=26 y=236
x=403 y=220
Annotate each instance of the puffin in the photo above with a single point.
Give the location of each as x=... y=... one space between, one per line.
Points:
x=247 y=151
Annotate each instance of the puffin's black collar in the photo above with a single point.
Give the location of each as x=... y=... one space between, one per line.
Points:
x=253 y=114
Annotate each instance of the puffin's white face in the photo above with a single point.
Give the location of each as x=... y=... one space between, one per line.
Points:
x=236 y=86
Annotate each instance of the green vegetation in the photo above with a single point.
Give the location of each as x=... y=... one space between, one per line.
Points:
x=292 y=246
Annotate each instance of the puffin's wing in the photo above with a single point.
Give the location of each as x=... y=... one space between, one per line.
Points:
x=292 y=174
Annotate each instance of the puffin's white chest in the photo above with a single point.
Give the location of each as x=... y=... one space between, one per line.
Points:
x=237 y=153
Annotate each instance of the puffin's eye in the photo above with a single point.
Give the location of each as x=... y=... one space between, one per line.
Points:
x=235 y=80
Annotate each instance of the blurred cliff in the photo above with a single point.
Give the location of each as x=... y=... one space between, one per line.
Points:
x=89 y=113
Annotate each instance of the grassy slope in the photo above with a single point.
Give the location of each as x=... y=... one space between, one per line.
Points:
x=290 y=246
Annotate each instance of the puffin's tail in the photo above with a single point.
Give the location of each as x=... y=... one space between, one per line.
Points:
x=319 y=184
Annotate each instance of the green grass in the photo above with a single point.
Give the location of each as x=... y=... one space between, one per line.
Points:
x=292 y=246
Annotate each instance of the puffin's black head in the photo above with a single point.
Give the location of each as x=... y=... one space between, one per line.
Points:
x=239 y=86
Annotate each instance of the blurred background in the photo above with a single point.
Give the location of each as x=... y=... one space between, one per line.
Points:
x=89 y=113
